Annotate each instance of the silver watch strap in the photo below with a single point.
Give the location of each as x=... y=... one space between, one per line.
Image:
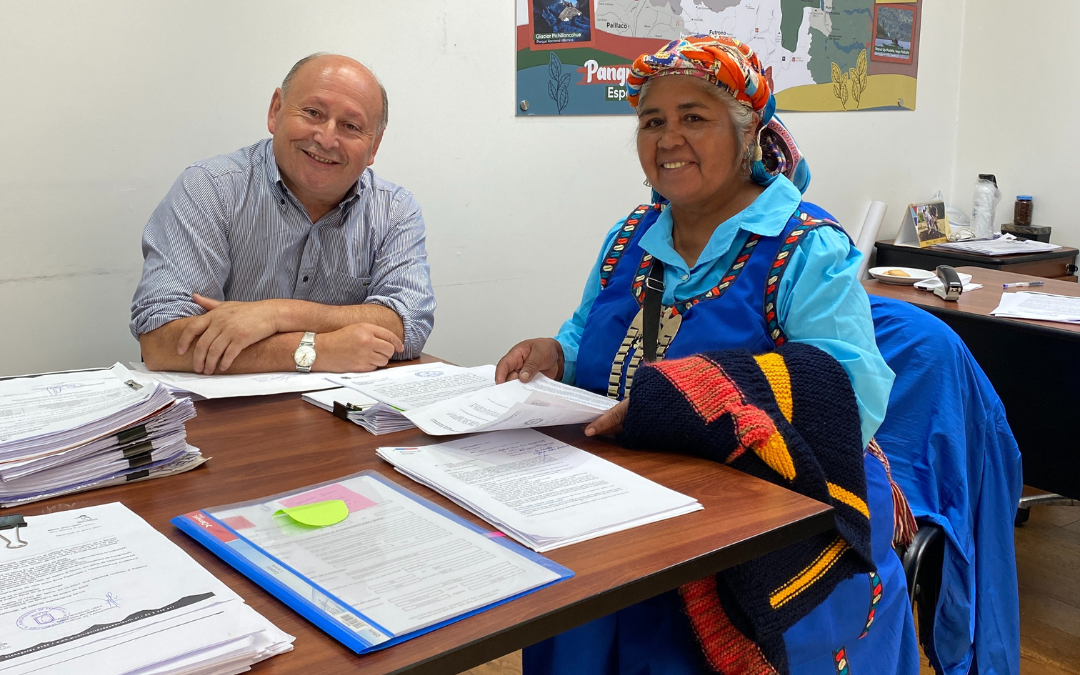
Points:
x=308 y=340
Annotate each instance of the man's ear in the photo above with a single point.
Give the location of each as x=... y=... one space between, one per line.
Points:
x=276 y=101
x=375 y=146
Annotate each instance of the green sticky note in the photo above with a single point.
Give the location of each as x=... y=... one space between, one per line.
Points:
x=319 y=514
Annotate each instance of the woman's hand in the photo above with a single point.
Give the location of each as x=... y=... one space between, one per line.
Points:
x=610 y=422
x=525 y=359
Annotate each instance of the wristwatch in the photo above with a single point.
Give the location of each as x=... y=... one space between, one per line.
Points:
x=304 y=356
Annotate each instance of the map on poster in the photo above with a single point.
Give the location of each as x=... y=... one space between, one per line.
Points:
x=573 y=56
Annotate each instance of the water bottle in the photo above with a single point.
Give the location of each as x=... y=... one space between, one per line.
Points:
x=987 y=196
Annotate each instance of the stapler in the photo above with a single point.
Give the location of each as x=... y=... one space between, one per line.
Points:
x=951 y=287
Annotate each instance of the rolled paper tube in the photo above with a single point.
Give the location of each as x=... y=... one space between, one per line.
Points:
x=869 y=232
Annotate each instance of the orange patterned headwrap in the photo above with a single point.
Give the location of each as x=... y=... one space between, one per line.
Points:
x=723 y=61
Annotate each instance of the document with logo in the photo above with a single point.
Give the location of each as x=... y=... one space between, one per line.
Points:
x=97 y=590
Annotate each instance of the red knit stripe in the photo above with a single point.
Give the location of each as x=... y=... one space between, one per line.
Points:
x=713 y=394
x=727 y=650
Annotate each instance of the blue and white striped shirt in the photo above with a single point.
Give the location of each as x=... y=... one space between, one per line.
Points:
x=229 y=229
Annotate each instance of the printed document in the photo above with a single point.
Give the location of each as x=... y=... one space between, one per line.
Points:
x=540 y=491
x=399 y=564
x=1042 y=306
x=416 y=386
x=226 y=386
x=541 y=402
x=39 y=405
x=97 y=590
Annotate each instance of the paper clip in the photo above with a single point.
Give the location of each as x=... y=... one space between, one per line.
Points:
x=15 y=522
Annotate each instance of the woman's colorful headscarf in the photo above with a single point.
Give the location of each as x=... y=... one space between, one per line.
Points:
x=735 y=68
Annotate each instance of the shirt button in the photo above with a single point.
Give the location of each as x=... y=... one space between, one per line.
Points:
x=282 y=202
x=685 y=277
x=305 y=278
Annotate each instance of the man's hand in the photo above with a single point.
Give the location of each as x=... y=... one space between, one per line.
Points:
x=358 y=348
x=225 y=330
x=525 y=359
x=610 y=422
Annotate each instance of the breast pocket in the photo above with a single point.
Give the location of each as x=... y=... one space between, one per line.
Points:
x=338 y=288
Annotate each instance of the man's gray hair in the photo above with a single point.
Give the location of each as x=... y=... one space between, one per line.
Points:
x=299 y=64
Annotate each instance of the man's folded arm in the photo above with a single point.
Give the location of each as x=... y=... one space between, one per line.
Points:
x=358 y=347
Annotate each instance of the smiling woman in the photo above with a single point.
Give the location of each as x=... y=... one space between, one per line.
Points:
x=714 y=277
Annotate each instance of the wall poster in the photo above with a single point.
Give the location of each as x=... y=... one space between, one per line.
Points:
x=573 y=56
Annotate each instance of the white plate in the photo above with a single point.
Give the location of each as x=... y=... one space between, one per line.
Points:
x=914 y=275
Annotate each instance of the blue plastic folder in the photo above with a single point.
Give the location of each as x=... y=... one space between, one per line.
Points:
x=357 y=631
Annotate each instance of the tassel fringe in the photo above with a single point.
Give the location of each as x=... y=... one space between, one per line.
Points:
x=904 y=526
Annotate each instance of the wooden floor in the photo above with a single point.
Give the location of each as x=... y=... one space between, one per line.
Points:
x=1048 y=566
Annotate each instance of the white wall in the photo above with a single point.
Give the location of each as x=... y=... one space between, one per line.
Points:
x=1019 y=103
x=106 y=102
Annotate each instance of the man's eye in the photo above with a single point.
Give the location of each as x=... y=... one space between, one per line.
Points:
x=312 y=112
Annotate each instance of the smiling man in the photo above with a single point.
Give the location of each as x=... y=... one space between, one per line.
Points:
x=290 y=253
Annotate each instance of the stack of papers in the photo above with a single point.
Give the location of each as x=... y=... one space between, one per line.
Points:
x=1004 y=245
x=388 y=394
x=1041 y=306
x=443 y=400
x=68 y=432
x=542 y=492
x=200 y=387
x=98 y=591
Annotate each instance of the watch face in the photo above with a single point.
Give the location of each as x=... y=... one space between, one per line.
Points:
x=304 y=356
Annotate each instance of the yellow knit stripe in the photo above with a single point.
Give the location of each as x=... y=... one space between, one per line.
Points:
x=775 y=453
x=850 y=498
x=776 y=372
x=814 y=571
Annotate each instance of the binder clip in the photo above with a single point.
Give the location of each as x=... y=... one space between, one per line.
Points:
x=342 y=410
x=15 y=522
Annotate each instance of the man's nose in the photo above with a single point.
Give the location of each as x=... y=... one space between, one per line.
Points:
x=326 y=134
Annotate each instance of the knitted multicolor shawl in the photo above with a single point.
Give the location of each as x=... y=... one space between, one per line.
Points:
x=789 y=417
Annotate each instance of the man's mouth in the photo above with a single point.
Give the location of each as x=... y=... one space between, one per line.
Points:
x=320 y=160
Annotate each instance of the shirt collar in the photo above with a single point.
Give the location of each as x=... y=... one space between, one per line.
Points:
x=767 y=216
x=273 y=175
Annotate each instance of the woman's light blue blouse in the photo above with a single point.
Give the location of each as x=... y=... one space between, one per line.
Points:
x=820 y=300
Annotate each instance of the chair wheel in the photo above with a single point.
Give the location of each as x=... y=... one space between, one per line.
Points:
x=1022 y=516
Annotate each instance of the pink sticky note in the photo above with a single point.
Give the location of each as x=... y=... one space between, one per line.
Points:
x=238 y=522
x=354 y=501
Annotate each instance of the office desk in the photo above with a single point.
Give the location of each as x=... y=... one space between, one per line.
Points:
x=1033 y=365
x=264 y=445
x=1057 y=264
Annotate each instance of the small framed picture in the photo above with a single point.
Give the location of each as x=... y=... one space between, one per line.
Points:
x=894 y=33
x=924 y=225
x=555 y=24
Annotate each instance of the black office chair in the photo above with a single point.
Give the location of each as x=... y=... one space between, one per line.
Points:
x=922 y=561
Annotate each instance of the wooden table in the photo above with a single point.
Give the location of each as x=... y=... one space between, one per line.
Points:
x=1033 y=365
x=264 y=445
x=1056 y=264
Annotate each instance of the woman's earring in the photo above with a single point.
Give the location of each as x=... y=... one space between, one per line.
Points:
x=646 y=183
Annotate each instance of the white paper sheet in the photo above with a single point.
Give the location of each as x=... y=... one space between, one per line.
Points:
x=100 y=576
x=1042 y=306
x=415 y=387
x=542 y=492
x=226 y=386
x=395 y=561
x=326 y=398
x=1004 y=245
x=38 y=405
x=541 y=402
